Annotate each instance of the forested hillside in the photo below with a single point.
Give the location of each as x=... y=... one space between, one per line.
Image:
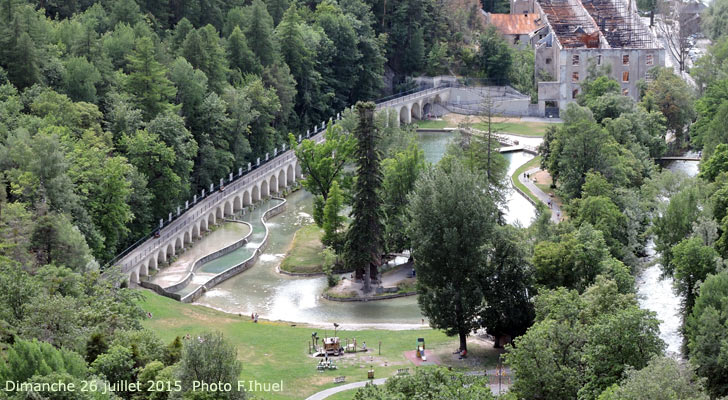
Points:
x=113 y=113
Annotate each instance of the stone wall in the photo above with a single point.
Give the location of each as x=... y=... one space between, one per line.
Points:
x=241 y=267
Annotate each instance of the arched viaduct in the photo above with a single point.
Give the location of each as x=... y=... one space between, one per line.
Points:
x=242 y=190
x=267 y=180
x=417 y=105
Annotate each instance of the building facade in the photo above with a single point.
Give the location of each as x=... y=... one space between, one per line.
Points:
x=574 y=34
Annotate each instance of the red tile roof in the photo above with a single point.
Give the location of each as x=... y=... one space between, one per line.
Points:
x=515 y=24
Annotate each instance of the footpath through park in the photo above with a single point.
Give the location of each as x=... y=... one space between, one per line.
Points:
x=349 y=386
x=545 y=198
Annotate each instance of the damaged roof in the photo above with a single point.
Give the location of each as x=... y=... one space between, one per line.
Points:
x=516 y=24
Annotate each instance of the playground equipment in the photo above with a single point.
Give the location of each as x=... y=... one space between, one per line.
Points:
x=332 y=345
x=421 y=349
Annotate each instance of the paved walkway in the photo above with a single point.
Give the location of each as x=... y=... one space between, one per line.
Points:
x=555 y=210
x=330 y=392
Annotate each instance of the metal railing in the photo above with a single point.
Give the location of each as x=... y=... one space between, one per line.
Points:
x=211 y=199
x=413 y=95
x=204 y=203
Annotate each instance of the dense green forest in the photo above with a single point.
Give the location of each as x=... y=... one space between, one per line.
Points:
x=114 y=113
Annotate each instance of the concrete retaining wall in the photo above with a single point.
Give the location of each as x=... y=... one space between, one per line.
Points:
x=159 y=290
x=243 y=266
x=209 y=257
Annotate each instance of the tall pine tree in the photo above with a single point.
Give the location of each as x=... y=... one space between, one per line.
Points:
x=147 y=80
x=364 y=242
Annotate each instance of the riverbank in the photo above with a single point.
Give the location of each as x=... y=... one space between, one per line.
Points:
x=278 y=351
x=535 y=162
x=395 y=283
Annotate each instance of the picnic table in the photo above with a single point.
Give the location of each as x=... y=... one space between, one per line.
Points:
x=324 y=365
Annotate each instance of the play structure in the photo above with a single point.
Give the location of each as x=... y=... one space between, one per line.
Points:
x=332 y=346
x=421 y=349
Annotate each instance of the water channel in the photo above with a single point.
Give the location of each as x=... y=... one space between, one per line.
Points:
x=275 y=296
x=657 y=294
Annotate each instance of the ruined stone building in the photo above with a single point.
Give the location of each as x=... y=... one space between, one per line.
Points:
x=574 y=33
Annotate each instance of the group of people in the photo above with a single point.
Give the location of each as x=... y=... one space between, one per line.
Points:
x=254 y=317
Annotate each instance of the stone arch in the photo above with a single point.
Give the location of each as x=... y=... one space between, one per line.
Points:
x=256 y=193
x=264 y=189
x=405 y=117
x=237 y=203
x=134 y=276
x=153 y=263
x=273 y=184
x=195 y=232
x=289 y=175
x=299 y=172
x=218 y=213
x=426 y=109
x=282 y=179
x=170 y=251
x=161 y=257
x=438 y=99
x=228 y=210
x=178 y=243
x=188 y=237
x=415 y=111
x=246 y=199
x=203 y=225
x=144 y=270
x=210 y=220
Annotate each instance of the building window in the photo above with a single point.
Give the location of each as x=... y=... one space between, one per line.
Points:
x=575 y=76
x=574 y=93
x=625 y=76
x=625 y=92
x=575 y=59
x=650 y=60
x=548 y=61
x=625 y=59
x=599 y=59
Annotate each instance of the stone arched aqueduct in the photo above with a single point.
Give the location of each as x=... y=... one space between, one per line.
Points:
x=269 y=179
x=242 y=190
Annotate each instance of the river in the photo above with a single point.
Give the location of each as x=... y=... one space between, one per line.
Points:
x=657 y=294
x=279 y=297
x=297 y=299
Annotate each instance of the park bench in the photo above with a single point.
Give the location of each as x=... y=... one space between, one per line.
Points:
x=339 y=379
x=403 y=371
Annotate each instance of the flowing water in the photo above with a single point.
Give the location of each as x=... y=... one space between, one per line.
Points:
x=223 y=236
x=275 y=296
x=297 y=299
x=657 y=294
x=519 y=209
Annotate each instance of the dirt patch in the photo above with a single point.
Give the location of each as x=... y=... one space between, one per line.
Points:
x=542 y=177
x=432 y=358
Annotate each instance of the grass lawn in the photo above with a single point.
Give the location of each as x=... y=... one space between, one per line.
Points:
x=537 y=129
x=534 y=162
x=433 y=124
x=305 y=255
x=274 y=351
x=345 y=395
